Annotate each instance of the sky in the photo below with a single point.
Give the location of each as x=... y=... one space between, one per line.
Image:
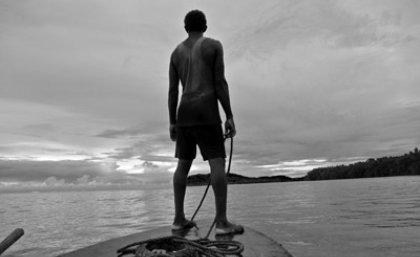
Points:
x=84 y=84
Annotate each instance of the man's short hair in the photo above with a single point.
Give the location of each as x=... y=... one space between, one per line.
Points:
x=195 y=21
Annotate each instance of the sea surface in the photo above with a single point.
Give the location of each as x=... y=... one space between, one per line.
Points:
x=374 y=217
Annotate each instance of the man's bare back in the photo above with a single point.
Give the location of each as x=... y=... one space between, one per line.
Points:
x=198 y=63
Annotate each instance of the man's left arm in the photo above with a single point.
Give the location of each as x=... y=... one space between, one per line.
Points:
x=222 y=89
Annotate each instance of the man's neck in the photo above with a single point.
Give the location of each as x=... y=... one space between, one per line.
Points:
x=195 y=35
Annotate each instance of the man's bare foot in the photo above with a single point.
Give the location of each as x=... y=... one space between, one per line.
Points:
x=226 y=227
x=184 y=224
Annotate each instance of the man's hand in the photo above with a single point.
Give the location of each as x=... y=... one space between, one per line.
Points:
x=230 y=130
x=172 y=132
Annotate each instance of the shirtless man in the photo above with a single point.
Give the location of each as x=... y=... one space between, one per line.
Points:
x=198 y=63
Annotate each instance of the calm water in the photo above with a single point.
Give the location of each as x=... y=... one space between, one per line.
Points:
x=366 y=217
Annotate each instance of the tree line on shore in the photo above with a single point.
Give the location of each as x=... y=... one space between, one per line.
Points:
x=405 y=165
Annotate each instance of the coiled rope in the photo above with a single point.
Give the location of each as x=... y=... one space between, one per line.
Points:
x=174 y=246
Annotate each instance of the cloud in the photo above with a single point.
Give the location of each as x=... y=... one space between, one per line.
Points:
x=53 y=181
x=324 y=81
x=75 y=61
x=114 y=133
x=78 y=175
x=69 y=171
x=83 y=180
x=309 y=80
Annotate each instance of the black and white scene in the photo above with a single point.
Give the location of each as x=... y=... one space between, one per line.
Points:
x=209 y=128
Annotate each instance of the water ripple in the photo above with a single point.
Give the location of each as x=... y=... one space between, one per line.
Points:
x=310 y=218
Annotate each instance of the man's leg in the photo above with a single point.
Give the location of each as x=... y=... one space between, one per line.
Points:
x=219 y=184
x=180 y=185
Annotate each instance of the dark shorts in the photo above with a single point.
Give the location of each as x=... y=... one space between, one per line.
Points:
x=209 y=139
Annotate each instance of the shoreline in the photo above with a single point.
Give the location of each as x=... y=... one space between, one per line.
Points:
x=203 y=179
x=392 y=166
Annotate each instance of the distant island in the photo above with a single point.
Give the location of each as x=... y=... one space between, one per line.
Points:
x=203 y=179
x=404 y=165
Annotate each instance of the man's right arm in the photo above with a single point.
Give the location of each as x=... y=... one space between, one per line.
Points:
x=173 y=97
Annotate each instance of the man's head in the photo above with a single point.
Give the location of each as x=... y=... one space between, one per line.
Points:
x=195 y=21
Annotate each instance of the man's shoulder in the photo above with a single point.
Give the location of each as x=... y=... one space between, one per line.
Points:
x=211 y=47
x=177 y=49
x=212 y=42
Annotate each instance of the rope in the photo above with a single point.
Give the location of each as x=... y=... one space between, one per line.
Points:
x=207 y=189
x=178 y=246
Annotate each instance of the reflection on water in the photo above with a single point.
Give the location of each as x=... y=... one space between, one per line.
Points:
x=366 y=217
